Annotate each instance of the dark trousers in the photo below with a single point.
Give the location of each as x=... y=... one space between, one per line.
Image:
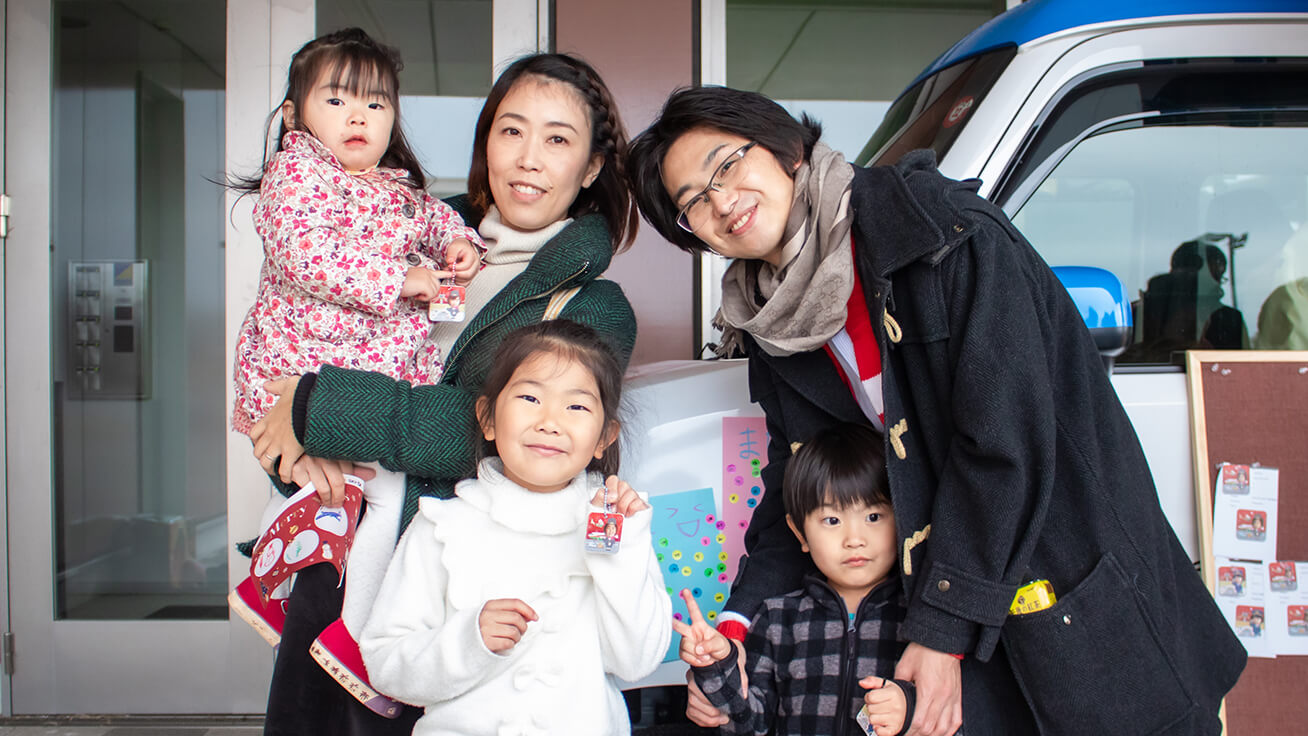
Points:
x=303 y=700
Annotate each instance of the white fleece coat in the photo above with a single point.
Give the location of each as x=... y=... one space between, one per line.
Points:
x=602 y=616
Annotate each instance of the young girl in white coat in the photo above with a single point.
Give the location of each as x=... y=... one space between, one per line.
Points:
x=494 y=615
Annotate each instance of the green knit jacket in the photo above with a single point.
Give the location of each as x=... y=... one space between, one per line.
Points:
x=428 y=432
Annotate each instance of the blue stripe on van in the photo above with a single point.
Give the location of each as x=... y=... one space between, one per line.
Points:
x=1036 y=18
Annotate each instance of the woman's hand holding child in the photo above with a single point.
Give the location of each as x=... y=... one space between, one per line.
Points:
x=503 y=621
x=884 y=704
x=274 y=434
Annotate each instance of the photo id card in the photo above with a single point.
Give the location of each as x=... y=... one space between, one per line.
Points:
x=1244 y=512
x=448 y=306
x=603 y=532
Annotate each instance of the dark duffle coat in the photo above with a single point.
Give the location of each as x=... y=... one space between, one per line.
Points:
x=1010 y=459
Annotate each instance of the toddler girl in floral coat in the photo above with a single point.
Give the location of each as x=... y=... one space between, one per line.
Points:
x=353 y=244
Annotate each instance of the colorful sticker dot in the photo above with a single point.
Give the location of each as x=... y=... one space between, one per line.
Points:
x=708 y=572
x=722 y=578
x=733 y=498
x=752 y=502
x=739 y=481
x=711 y=615
x=685 y=571
x=722 y=539
x=699 y=556
x=744 y=524
x=731 y=468
x=705 y=541
x=709 y=518
x=755 y=490
x=722 y=556
x=718 y=598
x=722 y=567
x=697 y=592
x=659 y=556
x=676 y=554
x=663 y=542
x=677 y=616
x=674 y=567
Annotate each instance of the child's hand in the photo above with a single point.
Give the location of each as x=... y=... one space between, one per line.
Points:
x=503 y=621
x=885 y=704
x=625 y=500
x=701 y=644
x=462 y=258
x=422 y=283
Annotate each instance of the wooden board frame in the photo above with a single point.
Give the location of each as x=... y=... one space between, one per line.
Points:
x=1268 y=697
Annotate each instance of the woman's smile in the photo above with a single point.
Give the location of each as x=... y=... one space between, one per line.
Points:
x=538 y=155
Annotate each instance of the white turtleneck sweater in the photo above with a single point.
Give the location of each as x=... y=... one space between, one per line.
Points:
x=602 y=617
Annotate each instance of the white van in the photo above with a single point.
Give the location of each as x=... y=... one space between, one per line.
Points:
x=1165 y=141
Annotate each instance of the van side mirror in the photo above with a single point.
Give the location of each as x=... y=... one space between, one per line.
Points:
x=1101 y=299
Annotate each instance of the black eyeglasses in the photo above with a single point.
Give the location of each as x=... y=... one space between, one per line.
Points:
x=729 y=173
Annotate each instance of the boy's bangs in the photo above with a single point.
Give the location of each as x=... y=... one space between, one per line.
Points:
x=850 y=488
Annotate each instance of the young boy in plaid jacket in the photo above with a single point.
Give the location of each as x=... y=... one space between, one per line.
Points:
x=818 y=656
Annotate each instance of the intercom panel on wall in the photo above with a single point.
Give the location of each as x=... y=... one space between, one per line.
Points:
x=108 y=310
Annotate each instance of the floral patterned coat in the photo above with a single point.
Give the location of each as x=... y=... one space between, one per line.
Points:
x=334 y=248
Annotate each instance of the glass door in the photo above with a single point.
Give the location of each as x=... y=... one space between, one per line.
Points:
x=115 y=367
x=127 y=269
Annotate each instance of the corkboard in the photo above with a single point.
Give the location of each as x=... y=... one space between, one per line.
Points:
x=1252 y=407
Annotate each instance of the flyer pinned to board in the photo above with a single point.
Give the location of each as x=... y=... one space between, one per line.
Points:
x=1244 y=512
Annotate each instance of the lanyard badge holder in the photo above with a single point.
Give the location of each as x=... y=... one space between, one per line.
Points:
x=604 y=530
x=448 y=306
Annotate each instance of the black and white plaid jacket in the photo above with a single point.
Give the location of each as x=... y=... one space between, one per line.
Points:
x=805 y=657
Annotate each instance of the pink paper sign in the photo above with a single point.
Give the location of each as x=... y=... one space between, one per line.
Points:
x=744 y=455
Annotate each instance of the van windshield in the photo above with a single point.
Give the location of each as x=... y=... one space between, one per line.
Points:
x=934 y=111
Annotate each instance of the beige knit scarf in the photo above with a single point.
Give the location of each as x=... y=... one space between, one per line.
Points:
x=801 y=305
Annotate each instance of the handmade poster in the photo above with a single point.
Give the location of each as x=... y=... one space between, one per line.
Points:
x=1287 y=606
x=744 y=455
x=305 y=533
x=1242 y=598
x=1244 y=519
x=690 y=554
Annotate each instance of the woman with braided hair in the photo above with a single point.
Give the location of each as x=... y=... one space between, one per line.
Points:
x=547 y=194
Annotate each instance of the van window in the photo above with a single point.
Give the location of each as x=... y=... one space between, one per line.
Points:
x=1202 y=222
x=1193 y=189
x=934 y=111
x=841 y=63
